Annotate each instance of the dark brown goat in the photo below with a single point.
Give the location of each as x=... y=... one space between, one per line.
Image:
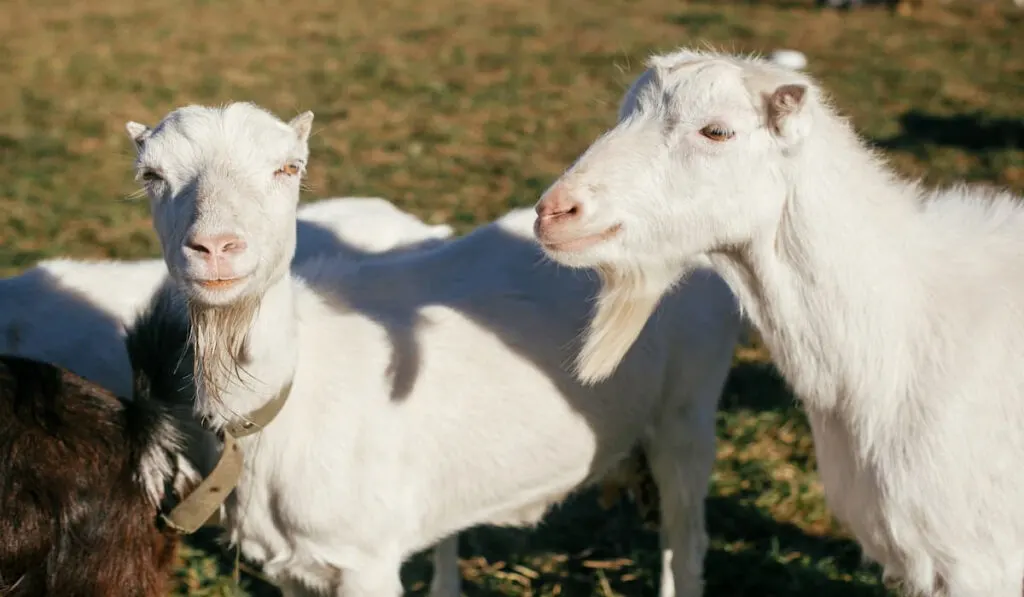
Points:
x=82 y=474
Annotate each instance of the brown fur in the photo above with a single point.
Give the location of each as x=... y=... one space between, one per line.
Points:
x=74 y=520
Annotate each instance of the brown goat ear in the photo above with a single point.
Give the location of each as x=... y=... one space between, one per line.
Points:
x=784 y=107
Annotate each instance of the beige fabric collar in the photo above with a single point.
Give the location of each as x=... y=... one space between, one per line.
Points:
x=202 y=506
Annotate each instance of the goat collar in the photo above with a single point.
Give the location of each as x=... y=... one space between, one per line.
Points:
x=202 y=506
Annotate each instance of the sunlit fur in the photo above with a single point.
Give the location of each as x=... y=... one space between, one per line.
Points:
x=894 y=312
x=429 y=389
x=73 y=313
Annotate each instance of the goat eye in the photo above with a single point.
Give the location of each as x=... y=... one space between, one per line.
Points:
x=288 y=169
x=716 y=132
x=150 y=176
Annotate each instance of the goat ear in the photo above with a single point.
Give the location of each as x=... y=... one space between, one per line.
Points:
x=138 y=133
x=302 y=124
x=784 y=109
x=630 y=100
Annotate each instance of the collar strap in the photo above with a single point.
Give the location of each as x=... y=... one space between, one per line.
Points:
x=202 y=506
x=255 y=421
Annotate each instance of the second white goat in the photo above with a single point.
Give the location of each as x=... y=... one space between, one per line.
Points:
x=894 y=312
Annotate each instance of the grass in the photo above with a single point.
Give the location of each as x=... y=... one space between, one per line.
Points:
x=458 y=110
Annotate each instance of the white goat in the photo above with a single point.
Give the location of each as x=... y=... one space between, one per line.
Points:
x=73 y=313
x=428 y=393
x=894 y=313
x=357 y=226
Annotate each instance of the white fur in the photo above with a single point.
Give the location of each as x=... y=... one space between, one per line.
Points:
x=791 y=59
x=367 y=225
x=895 y=313
x=73 y=313
x=429 y=390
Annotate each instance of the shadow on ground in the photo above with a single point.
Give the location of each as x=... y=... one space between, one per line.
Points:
x=974 y=132
x=587 y=551
x=757 y=386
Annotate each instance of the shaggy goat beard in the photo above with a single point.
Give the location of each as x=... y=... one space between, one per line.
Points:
x=218 y=337
x=628 y=297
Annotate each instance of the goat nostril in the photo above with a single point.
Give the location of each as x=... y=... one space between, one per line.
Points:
x=559 y=210
x=216 y=245
x=566 y=212
x=198 y=248
x=234 y=246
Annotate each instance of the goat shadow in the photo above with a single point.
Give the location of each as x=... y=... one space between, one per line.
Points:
x=975 y=131
x=757 y=386
x=99 y=332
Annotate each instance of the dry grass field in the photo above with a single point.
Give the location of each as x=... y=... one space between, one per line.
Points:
x=459 y=110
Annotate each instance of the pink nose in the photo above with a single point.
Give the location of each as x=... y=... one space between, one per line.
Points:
x=557 y=205
x=215 y=246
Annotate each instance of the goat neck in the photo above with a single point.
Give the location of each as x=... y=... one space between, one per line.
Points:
x=265 y=362
x=824 y=310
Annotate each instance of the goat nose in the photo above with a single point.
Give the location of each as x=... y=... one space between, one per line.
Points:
x=216 y=245
x=558 y=205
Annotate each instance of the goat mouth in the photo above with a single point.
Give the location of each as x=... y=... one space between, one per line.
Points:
x=219 y=284
x=582 y=242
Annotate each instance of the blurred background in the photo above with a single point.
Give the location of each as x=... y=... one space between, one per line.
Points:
x=458 y=110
